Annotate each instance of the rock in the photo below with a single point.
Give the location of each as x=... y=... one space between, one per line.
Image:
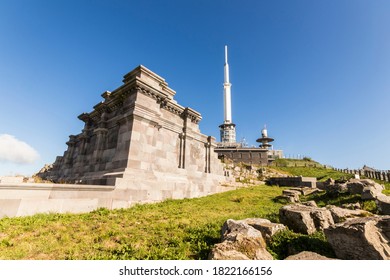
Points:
x=291 y=195
x=310 y=203
x=226 y=251
x=341 y=214
x=329 y=182
x=352 y=206
x=337 y=188
x=383 y=203
x=305 y=219
x=372 y=191
x=355 y=186
x=266 y=228
x=240 y=240
x=361 y=238
x=307 y=255
x=233 y=229
x=291 y=192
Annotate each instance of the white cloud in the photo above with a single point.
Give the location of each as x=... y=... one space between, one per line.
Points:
x=16 y=151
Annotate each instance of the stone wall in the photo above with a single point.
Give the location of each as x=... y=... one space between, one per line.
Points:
x=293 y=181
x=368 y=173
x=26 y=199
x=256 y=156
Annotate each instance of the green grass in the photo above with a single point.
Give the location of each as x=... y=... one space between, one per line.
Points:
x=287 y=242
x=174 y=229
x=321 y=173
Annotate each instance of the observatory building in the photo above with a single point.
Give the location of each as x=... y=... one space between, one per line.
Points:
x=229 y=148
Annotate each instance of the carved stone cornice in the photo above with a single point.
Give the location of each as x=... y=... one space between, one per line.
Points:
x=192 y=115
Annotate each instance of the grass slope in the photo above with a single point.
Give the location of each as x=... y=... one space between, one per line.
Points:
x=174 y=229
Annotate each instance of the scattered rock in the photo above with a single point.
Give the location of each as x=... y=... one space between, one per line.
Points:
x=371 y=191
x=310 y=203
x=352 y=206
x=291 y=195
x=337 y=188
x=226 y=251
x=355 y=186
x=341 y=214
x=266 y=228
x=307 y=255
x=383 y=203
x=305 y=219
x=240 y=241
x=361 y=238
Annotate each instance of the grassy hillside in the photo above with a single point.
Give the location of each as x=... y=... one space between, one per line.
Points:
x=174 y=229
x=308 y=168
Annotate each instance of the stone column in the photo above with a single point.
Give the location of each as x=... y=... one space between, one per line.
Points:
x=208 y=155
x=182 y=150
x=101 y=134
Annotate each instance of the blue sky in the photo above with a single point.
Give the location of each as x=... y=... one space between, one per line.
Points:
x=315 y=72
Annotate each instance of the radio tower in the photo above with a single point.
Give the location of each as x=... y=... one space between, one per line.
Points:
x=228 y=128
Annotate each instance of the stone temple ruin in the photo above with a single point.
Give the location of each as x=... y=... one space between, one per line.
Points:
x=137 y=145
x=140 y=135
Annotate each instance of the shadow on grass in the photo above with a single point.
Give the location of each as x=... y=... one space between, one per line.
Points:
x=287 y=242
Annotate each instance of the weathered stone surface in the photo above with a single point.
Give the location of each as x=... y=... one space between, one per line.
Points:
x=305 y=219
x=306 y=190
x=355 y=186
x=240 y=240
x=310 y=203
x=361 y=238
x=291 y=195
x=372 y=191
x=266 y=228
x=226 y=251
x=369 y=189
x=293 y=181
x=383 y=203
x=307 y=255
x=337 y=188
x=232 y=229
x=353 y=206
x=341 y=214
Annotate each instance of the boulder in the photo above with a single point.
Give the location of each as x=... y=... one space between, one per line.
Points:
x=226 y=251
x=307 y=255
x=341 y=214
x=291 y=195
x=240 y=241
x=383 y=203
x=265 y=226
x=325 y=185
x=355 y=186
x=361 y=238
x=305 y=219
x=364 y=186
x=337 y=188
x=371 y=191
